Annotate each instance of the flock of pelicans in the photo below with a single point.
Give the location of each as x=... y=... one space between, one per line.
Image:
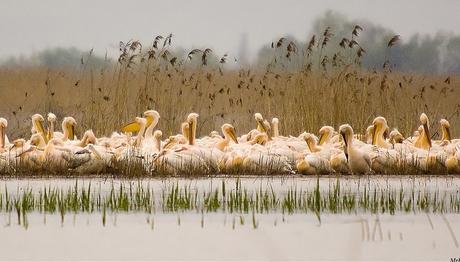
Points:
x=263 y=148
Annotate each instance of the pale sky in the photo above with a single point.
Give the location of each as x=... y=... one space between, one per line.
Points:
x=28 y=26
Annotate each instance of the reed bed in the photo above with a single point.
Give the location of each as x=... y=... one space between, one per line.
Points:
x=305 y=86
x=229 y=198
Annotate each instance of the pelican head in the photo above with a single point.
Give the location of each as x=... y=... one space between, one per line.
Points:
x=37 y=122
x=445 y=129
x=157 y=138
x=258 y=117
x=229 y=132
x=252 y=134
x=3 y=126
x=141 y=121
x=37 y=125
x=18 y=143
x=380 y=124
x=170 y=142
x=153 y=117
x=91 y=137
x=325 y=134
x=425 y=141
x=68 y=126
x=37 y=140
x=424 y=119
x=88 y=138
x=51 y=120
x=192 y=120
x=94 y=151
x=157 y=134
x=51 y=117
x=396 y=137
x=37 y=118
x=311 y=142
x=3 y=122
x=260 y=139
x=346 y=131
x=260 y=122
x=214 y=134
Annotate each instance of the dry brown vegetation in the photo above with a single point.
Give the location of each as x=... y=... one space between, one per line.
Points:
x=325 y=89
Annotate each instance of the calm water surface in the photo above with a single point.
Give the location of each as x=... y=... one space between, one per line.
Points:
x=222 y=235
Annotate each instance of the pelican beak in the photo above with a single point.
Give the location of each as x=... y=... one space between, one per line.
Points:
x=309 y=147
x=344 y=139
x=374 y=137
x=41 y=131
x=322 y=138
x=2 y=137
x=71 y=132
x=448 y=133
x=149 y=120
x=233 y=135
x=427 y=133
x=261 y=126
x=191 y=135
x=131 y=128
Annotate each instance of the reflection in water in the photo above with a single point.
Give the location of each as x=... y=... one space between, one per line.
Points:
x=241 y=196
x=228 y=218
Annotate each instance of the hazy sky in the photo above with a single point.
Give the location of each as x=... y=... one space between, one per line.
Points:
x=28 y=26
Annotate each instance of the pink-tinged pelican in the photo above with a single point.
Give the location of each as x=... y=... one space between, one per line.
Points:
x=358 y=159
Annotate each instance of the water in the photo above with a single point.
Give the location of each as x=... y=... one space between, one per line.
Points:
x=197 y=234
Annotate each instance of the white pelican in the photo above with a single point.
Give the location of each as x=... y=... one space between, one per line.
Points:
x=192 y=120
x=453 y=161
x=142 y=122
x=37 y=126
x=151 y=116
x=51 y=125
x=150 y=142
x=358 y=159
x=93 y=160
x=395 y=137
x=380 y=126
x=25 y=153
x=68 y=128
x=326 y=134
x=229 y=134
x=260 y=122
x=3 y=138
x=424 y=140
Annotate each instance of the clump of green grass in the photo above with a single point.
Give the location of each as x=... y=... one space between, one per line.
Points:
x=175 y=198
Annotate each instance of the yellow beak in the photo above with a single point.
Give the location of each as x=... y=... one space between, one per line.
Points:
x=135 y=127
x=374 y=137
x=233 y=136
x=427 y=134
x=41 y=131
x=71 y=132
x=322 y=138
x=261 y=126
